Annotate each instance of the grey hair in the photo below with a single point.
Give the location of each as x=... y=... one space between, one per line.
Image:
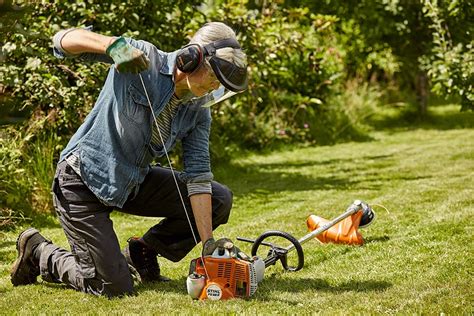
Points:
x=214 y=31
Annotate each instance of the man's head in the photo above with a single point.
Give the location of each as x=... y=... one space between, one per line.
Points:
x=213 y=57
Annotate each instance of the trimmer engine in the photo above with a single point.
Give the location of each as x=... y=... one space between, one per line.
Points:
x=228 y=277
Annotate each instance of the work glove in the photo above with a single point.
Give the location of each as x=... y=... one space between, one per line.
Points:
x=223 y=244
x=126 y=57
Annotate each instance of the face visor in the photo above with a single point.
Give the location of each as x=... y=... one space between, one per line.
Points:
x=217 y=96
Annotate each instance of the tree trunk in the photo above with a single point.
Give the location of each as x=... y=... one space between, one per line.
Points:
x=422 y=86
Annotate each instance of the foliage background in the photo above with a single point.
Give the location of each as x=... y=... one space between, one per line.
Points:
x=318 y=71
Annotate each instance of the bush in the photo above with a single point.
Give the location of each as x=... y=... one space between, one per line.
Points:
x=27 y=174
x=451 y=64
x=295 y=64
x=15 y=197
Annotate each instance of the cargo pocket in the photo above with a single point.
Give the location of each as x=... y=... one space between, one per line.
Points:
x=74 y=190
x=86 y=267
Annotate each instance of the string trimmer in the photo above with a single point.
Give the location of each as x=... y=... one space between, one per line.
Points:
x=222 y=276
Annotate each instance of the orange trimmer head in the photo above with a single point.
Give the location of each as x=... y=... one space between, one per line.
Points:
x=344 y=232
x=342 y=229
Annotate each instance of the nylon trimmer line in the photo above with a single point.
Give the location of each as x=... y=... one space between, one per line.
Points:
x=172 y=169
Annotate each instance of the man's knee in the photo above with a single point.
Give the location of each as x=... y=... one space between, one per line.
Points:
x=226 y=199
x=222 y=202
x=112 y=280
x=110 y=286
x=119 y=289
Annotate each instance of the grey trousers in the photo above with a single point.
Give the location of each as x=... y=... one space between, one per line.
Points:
x=95 y=263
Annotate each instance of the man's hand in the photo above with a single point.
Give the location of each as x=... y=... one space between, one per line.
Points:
x=211 y=245
x=222 y=245
x=126 y=57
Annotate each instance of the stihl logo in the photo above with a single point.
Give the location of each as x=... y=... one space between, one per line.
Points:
x=214 y=292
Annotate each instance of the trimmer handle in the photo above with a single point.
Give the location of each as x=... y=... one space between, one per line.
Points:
x=276 y=252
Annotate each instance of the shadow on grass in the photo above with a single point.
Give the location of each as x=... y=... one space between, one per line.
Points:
x=173 y=286
x=266 y=287
x=265 y=178
x=45 y=221
x=369 y=240
x=445 y=117
x=38 y=220
x=264 y=293
x=298 y=285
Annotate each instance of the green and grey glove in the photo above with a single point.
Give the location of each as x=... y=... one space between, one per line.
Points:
x=223 y=244
x=211 y=245
x=126 y=57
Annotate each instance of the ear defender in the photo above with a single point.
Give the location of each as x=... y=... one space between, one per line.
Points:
x=189 y=58
x=232 y=77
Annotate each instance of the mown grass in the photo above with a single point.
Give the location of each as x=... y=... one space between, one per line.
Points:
x=418 y=258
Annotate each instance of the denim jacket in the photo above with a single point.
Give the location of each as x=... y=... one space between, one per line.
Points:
x=113 y=143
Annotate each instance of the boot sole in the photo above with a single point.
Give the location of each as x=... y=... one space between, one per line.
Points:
x=21 y=246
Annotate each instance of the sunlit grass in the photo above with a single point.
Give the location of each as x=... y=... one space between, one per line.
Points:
x=417 y=257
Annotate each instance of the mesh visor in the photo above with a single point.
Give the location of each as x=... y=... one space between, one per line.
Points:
x=230 y=76
x=218 y=95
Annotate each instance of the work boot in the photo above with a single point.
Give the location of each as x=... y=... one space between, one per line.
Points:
x=368 y=216
x=144 y=260
x=29 y=245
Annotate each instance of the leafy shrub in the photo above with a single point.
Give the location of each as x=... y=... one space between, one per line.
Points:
x=28 y=170
x=295 y=64
x=14 y=184
x=451 y=64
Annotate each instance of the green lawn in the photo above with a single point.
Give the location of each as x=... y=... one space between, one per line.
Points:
x=418 y=258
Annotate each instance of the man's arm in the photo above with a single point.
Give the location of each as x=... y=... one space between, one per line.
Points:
x=83 y=42
x=202 y=209
x=80 y=41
